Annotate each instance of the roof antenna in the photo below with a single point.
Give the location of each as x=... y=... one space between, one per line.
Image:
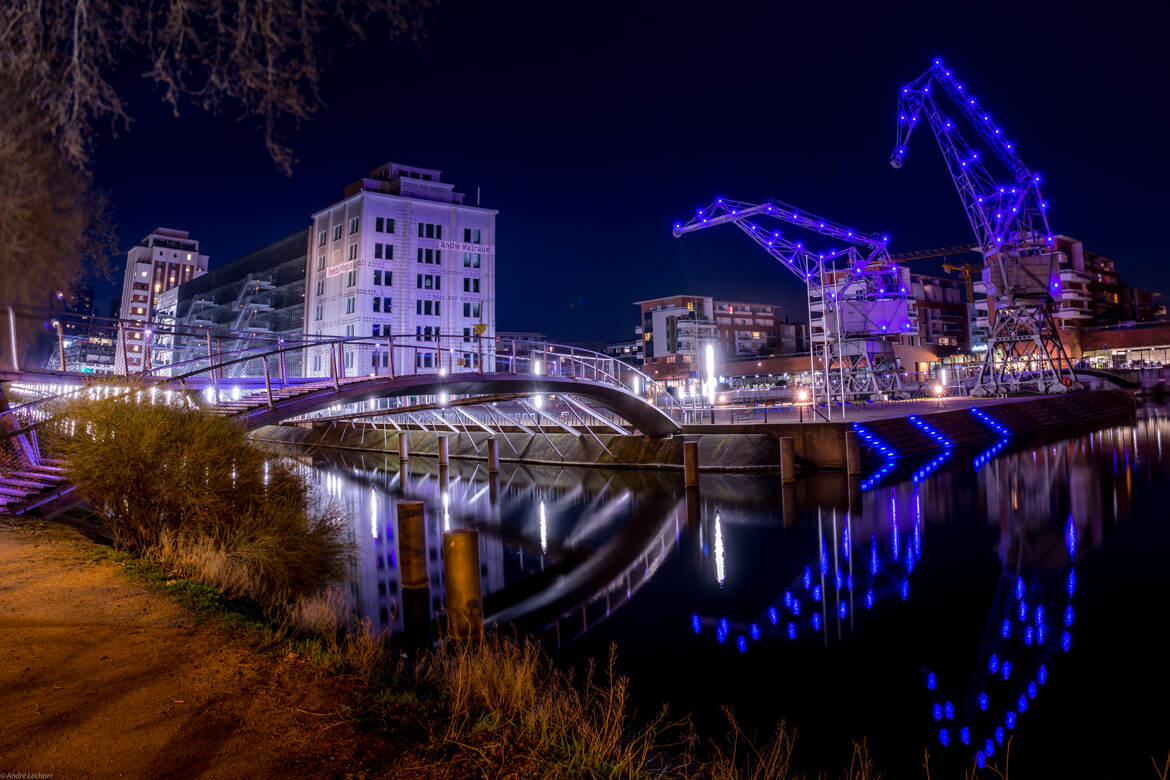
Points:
x=477 y=197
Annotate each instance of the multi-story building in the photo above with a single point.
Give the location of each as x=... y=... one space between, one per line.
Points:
x=675 y=331
x=941 y=314
x=746 y=329
x=163 y=260
x=261 y=292
x=401 y=254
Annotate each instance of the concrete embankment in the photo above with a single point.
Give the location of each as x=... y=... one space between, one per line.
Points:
x=1072 y=412
x=732 y=448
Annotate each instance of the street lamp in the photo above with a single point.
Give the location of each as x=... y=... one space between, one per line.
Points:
x=801 y=397
x=711 y=379
x=938 y=389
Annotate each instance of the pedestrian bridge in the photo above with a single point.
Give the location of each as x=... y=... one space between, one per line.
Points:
x=455 y=382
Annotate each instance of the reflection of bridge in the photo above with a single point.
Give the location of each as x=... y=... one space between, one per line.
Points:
x=445 y=380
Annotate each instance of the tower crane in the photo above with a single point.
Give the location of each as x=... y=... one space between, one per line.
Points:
x=1010 y=223
x=857 y=297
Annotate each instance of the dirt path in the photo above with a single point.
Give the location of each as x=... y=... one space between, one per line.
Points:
x=100 y=677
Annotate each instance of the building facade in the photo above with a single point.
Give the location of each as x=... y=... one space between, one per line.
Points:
x=675 y=330
x=163 y=260
x=746 y=329
x=941 y=314
x=261 y=292
x=401 y=254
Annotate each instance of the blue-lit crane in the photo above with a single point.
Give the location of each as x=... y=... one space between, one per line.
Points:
x=1010 y=222
x=857 y=296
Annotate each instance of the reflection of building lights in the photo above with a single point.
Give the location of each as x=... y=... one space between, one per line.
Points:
x=543 y=529
x=447 y=511
x=720 y=574
x=373 y=510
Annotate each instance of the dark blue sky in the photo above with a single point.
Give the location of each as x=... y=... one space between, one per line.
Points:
x=593 y=127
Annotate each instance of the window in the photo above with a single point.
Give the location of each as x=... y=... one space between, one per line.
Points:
x=319 y=313
x=386 y=304
x=349 y=331
x=377 y=253
x=383 y=251
x=470 y=285
x=351 y=278
x=353 y=225
x=471 y=309
x=384 y=225
x=428 y=256
x=376 y=300
x=471 y=235
x=376 y=328
x=418 y=281
x=467 y=334
x=349 y=355
x=350 y=305
x=377 y=276
x=353 y=251
x=438 y=257
x=429 y=230
x=320 y=286
x=322 y=237
x=337 y=232
x=388 y=278
x=470 y=260
x=321 y=262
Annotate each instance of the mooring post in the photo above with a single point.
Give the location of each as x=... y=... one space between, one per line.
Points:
x=852 y=454
x=403 y=446
x=691 y=464
x=787 y=460
x=464 y=590
x=443 y=453
x=412 y=557
x=493 y=455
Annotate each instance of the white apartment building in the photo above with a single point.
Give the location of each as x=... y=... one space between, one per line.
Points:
x=401 y=254
x=163 y=260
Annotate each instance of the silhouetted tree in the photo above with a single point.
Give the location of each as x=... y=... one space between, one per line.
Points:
x=260 y=58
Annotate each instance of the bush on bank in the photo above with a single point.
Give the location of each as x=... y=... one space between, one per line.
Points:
x=187 y=488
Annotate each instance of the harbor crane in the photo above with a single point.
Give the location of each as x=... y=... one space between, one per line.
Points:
x=1010 y=221
x=857 y=296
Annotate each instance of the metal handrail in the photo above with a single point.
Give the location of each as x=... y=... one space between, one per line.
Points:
x=588 y=360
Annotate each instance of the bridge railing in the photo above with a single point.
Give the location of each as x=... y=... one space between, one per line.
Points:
x=193 y=359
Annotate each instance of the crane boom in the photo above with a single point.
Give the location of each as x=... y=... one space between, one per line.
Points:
x=1010 y=222
x=857 y=295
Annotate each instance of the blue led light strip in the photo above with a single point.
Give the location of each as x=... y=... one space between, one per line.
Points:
x=874 y=442
x=926 y=470
x=996 y=426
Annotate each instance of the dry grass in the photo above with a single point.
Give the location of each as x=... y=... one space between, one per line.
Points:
x=187 y=489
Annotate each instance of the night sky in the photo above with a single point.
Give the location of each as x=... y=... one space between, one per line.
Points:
x=593 y=132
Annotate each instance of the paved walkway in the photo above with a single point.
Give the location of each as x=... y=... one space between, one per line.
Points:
x=101 y=678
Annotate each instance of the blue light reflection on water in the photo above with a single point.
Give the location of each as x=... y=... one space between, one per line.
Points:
x=1001 y=513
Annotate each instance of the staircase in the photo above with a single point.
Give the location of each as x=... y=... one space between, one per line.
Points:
x=27 y=483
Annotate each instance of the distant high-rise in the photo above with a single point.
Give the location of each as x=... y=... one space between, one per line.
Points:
x=164 y=259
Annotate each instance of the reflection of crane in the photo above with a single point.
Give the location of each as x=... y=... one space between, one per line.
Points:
x=857 y=296
x=1010 y=224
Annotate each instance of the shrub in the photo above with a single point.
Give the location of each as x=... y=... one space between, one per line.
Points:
x=188 y=489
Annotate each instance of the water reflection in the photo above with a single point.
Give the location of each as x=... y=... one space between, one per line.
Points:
x=983 y=548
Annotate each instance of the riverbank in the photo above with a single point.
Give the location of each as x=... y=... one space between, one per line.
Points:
x=111 y=669
x=103 y=677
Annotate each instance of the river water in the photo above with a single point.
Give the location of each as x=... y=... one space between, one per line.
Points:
x=948 y=605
